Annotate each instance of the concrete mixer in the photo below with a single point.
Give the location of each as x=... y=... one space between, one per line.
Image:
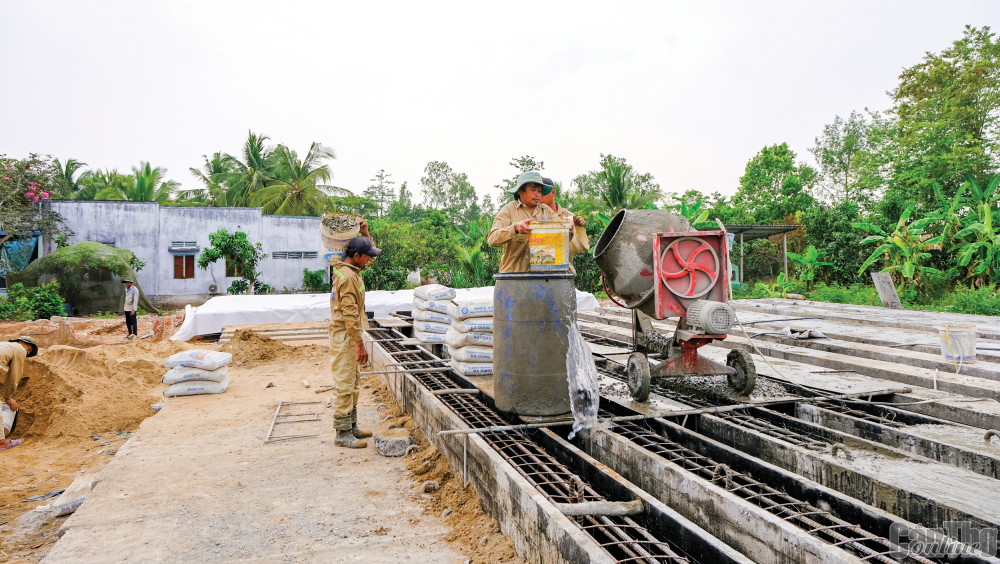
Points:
x=662 y=268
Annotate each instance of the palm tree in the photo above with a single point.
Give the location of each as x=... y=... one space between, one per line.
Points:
x=214 y=174
x=295 y=188
x=621 y=188
x=145 y=185
x=251 y=174
x=68 y=187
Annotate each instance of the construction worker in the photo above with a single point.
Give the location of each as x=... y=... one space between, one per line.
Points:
x=579 y=243
x=12 y=355
x=130 y=307
x=347 y=349
x=512 y=225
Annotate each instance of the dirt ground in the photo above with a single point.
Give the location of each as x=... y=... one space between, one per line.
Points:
x=81 y=406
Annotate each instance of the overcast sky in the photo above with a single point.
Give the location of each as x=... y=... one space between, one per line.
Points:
x=688 y=91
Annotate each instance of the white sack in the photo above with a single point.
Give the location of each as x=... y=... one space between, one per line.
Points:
x=477 y=324
x=436 y=317
x=431 y=338
x=73 y=497
x=206 y=360
x=7 y=417
x=431 y=292
x=473 y=308
x=472 y=353
x=432 y=305
x=458 y=339
x=431 y=327
x=472 y=368
x=196 y=387
x=186 y=374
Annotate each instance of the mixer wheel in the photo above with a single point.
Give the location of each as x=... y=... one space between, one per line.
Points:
x=638 y=376
x=745 y=379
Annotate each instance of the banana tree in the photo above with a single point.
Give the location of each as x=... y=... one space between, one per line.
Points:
x=903 y=251
x=807 y=263
x=979 y=249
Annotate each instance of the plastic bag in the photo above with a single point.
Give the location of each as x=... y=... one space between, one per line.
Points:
x=432 y=305
x=472 y=353
x=436 y=317
x=459 y=339
x=472 y=368
x=430 y=327
x=431 y=292
x=477 y=324
x=474 y=308
x=187 y=374
x=206 y=360
x=430 y=338
x=196 y=387
x=7 y=416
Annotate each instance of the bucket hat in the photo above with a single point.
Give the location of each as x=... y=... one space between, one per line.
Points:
x=532 y=176
x=30 y=341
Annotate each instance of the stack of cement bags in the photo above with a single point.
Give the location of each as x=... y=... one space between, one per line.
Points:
x=197 y=372
x=470 y=338
x=430 y=312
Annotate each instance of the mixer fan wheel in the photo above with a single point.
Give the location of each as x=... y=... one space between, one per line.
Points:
x=638 y=376
x=745 y=379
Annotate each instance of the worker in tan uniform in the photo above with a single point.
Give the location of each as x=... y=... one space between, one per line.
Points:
x=12 y=356
x=347 y=349
x=512 y=225
x=579 y=242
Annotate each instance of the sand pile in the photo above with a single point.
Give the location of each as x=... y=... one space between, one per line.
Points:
x=250 y=349
x=73 y=393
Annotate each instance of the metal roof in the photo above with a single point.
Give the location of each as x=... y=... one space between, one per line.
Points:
x=751 y=232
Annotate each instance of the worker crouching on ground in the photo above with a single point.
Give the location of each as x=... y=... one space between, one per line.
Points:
x=12 y=356
x=579 y=242
x=512 y=226
x=347 y=349
x=130 y=307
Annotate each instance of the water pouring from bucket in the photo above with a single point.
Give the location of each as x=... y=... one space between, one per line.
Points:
x=581 y=375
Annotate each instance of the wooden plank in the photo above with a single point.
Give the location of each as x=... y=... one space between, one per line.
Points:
x=886 y=290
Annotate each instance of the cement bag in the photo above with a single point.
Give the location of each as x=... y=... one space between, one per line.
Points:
x=196 y=387
x=436 y=317
x=472 y=368
x=7 y=417
x=430 y=327
x=73 y=497
x=471 y=354
x=430 y=338
x=458 y=339
x=432 y=305
x=475 y=308
x=432 y=292
x=206 y=360
x=186 y=374
x=477 y=324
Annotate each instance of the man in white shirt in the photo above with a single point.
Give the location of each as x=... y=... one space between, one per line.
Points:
x=131 y=304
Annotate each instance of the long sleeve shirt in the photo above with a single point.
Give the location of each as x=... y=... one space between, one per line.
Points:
x=347 y=302
x=12 y=356
x=516 y=256
x=131 y=298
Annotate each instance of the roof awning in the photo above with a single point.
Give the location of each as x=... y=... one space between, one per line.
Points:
x=751 y=232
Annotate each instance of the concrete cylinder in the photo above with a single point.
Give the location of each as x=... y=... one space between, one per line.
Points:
x=532 y=313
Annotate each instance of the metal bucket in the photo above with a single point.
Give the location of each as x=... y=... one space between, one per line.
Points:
x=532 y=313
x=624 y=253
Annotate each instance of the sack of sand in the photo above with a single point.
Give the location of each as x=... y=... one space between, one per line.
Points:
x=188 y=374
x=206 y=360
x=197 y=387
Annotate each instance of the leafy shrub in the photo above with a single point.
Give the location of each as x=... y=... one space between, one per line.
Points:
x=982 y=301
x=312 y=280
x=856 y=294
x=104 y=315
x=24 y=304
x=758 y=291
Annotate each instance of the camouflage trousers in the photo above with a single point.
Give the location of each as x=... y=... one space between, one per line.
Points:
x=346 y=380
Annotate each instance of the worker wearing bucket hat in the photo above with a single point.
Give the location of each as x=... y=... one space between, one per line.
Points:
x=512 y=224
x=12 y=356
x=130 y=307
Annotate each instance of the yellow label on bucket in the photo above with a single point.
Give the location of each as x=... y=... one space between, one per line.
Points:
x=548 y=244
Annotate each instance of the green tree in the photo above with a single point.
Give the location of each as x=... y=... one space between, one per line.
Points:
x=213 y=176
x=520 y=164
x=773 y=186
x=382 y=192
x=840 y=152
x=947 y=111
x=903 y=251
x=145 y=185
x=616 y=186
x=67 y=183
x=241 y=256
x=252 y=173
x=296 y=188
x=449 y=191
x=24 y=185
x=807 y=264
x=829 y=229
x=979 y=247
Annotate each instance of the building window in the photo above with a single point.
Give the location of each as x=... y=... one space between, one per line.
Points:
x=183 y=266
x=279 y=255
x=183 y=244
x=232 y=271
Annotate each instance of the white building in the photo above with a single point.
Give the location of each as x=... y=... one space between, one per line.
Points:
x=169 y=239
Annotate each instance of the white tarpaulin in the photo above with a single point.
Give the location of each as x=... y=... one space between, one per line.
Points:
x=220 y=311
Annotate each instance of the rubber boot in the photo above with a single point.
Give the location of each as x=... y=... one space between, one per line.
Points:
x=346 y=438
x=358 y=433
